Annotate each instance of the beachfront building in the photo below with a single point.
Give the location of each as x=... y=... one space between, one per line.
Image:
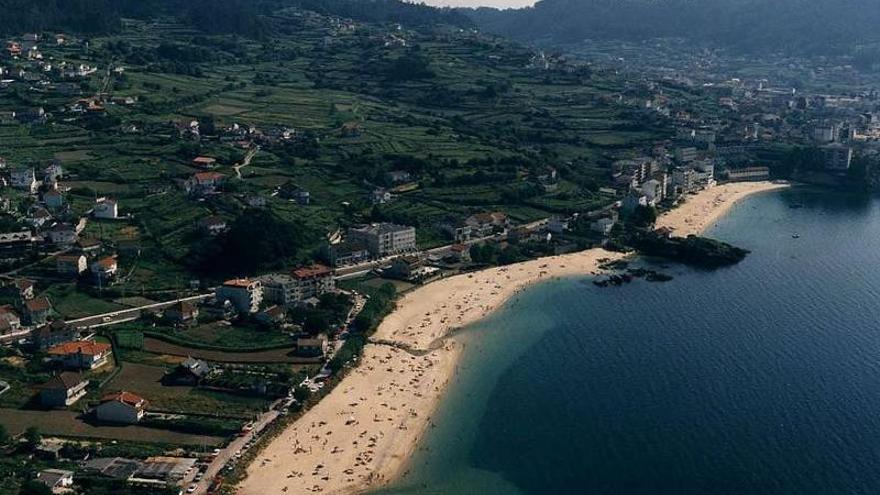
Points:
x=300 y=285
x=384 y=239
x=748 y=174
x=245 y=295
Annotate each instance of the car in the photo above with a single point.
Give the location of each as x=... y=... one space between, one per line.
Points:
x=198 y=477
x=192 y=488
x=216 y=452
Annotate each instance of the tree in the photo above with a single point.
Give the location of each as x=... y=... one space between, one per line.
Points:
x=32 y=437
x=644 y=216
x=315 y=323
x=34 y=487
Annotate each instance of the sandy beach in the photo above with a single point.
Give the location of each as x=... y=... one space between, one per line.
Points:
x=361 y=435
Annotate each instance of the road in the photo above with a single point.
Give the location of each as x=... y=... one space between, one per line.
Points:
x=353 y=271
x=247 y=161
x=129 y=314
x=227 y=454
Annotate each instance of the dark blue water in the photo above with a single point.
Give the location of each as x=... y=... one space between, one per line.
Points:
x=760 y=378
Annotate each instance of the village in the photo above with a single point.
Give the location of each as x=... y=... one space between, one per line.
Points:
x=138 y=308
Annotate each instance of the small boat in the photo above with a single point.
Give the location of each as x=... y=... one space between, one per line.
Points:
x=795 y=236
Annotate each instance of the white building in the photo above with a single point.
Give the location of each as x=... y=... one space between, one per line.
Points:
x=24 y=178
x=122 y=408
x=246 y=295
x=383 y=239
x=106 y=208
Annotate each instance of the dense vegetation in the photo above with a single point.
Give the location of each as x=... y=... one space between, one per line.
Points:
x=800 y=26
x=244 y=17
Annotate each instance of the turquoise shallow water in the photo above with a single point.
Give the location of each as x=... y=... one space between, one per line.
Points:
x=760 y=378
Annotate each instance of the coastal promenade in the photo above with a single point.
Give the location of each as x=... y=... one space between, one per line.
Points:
x=362 y=434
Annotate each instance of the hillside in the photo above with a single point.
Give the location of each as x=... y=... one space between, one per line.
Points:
x=451 y=122
x=796 y=26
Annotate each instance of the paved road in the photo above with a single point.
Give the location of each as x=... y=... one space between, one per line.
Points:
x=227 y=454
x=129 y=314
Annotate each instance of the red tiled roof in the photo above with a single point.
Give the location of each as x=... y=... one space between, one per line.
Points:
x=129 y=398
x=40 y=303
x=208 y=176
x=312 y=271
x=238 y=282
x=204 y=160
x=85 y=347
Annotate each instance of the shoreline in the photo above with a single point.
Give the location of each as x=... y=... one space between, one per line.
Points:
x=362 y=435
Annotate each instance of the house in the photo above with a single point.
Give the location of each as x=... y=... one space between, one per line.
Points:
x=117 y=468
x=38 y=216
x=53 y=173
x=633 y=201
x=272 y=315
x=20 y=289
x=63 y=235
x=213 y=225
x=23 y=178
x=73 y=264
x=204 y=182
x=459 y=231
x=485 y=224
x=106 y=208
x=348 y=252
x=204 y=162
x=383 y=239
x=381 y=196
x=653 y=191
x=312 y=281
x=191 y=372
x=350 y=130
x=291 y=191
x=53 y=199
x=460 y=252
x=10 y=322
x=603 y=225
x=63 y=389
x=748 y=174
x=81 y=354
x=37 y=310
x=104 y=269
x=121 y=408
x=307 y=347
x=53 y=334
x=58 y=480
x=244 y=294
x=182 y=312
x=163 y=471
x=405 y=268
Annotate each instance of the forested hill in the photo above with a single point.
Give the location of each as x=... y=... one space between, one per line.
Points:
x=244 y=17
x=796 y=26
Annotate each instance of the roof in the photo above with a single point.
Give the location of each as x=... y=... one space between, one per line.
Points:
x=66 y=380
x=86 y=347
x=243 y=283
x=196 y=366
x=310 y=342
x=107 y=262
x=113 y=467
x=312 y=271
x=129 y=398
x=204 y=159
x=208 y=176
x=39 y=303
x=22 y=284
x=51 y=477
x=69 y=258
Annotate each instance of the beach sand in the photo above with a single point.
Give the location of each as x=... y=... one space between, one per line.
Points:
x=361 y=435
